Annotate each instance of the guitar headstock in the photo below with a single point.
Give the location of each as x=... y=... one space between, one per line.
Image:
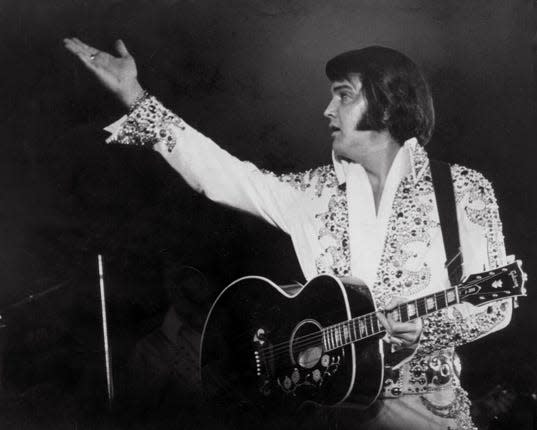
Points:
x=500 y=283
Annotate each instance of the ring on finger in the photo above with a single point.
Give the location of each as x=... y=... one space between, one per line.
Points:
x=92 y=56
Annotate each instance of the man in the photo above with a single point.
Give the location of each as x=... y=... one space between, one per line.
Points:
x=371 y=214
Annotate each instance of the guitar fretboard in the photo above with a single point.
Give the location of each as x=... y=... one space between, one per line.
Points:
x=347 y=332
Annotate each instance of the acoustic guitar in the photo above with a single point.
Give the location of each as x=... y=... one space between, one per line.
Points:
x=267 y=348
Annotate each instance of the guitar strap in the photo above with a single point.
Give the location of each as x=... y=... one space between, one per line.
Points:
x=447 y=212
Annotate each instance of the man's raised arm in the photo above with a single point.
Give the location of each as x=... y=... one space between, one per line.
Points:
x=205 y=166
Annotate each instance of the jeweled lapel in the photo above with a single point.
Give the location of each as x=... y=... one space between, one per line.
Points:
x=408 y=235
x=402 y=270
x=334 y=235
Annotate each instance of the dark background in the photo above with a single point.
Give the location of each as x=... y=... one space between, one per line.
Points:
x=249 y=74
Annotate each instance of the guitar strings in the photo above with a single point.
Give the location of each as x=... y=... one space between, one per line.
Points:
x=306 y=340
x=285 y=345
x=313 y=339
x=300 y=339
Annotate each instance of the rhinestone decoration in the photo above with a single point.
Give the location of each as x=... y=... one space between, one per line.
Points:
x=475 y=193
x=458 y=409
x=413 y=221
x=149 y=123
x=449 y=328
x=315 y=179
x=334 y=235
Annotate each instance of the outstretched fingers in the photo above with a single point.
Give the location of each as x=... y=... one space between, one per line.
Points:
x=79 y=48
x=86 y=59
x=92 y=58
x=73 y=47
x=89 y=50
x=116 y=72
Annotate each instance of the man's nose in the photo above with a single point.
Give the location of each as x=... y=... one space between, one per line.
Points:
x=329 y=112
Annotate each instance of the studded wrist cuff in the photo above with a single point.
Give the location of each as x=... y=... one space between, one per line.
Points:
x=149 y=123
x=138 y=101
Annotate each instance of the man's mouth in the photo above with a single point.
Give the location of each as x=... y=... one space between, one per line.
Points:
x=334 y=130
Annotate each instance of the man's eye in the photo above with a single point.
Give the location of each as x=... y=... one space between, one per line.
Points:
x=345 y=97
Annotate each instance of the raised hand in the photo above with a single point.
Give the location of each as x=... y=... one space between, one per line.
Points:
x=117 y=74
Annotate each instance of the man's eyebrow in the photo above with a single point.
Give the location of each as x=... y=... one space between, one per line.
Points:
x=340 y=87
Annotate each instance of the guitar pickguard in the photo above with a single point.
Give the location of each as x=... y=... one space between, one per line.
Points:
x=312 y=378
x=308 y=367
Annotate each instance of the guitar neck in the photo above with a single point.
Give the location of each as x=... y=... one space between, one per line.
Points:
x=479 y=288
x=347 y=332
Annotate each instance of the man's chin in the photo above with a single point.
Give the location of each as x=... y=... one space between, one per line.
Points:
x=337 y=148
x=341 y=153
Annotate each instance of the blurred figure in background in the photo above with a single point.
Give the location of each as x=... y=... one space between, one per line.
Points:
x=163 y=381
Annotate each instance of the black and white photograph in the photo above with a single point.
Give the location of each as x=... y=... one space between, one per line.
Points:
x=269 y=214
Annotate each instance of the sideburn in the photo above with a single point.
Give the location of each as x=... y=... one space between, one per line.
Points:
x=371 y=120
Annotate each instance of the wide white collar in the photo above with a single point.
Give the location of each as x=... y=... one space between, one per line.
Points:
x=414 y=162
x=368 y=226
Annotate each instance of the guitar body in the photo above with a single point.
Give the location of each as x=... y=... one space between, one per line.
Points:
x=265 y=352
x=262 y=347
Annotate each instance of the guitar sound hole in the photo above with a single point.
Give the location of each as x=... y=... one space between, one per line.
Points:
x=306 y=344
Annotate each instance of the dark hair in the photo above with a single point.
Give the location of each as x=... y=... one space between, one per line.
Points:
x=398 y=97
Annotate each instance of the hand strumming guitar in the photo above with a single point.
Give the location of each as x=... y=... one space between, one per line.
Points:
x=117 y=74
